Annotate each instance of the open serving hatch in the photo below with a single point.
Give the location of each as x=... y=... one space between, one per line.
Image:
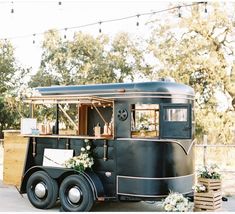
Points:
x=85 y=113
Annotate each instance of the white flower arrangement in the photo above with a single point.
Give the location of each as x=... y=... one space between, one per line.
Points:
x=199 y=188
x=176 y=202
x=82 y=161
x=211 y=171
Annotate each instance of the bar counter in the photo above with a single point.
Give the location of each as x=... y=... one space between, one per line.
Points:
x=68 y=136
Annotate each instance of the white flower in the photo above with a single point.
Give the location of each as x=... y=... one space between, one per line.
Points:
x=82 y=161
x=176 y=202
x=78 y=162
x=180 y=207
x=173 y=202
x=199 y=188
x=168 y=207
x=202 y=188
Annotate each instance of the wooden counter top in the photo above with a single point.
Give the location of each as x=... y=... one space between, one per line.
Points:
x=69 y=136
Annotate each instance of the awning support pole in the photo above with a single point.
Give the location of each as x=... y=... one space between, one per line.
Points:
x=69 y=118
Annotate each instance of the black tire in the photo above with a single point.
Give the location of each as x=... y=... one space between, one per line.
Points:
x=42 y=200
x=82 y=198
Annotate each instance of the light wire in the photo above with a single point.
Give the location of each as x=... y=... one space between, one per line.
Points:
x=104 y=21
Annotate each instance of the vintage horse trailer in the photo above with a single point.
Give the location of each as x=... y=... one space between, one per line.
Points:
x=147 y=152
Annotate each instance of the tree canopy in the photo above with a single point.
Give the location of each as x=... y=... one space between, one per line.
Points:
x=11 y=79
x=87 y=59
x=198 y=50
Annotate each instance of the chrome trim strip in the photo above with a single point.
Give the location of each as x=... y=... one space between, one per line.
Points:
x=112 y=92
x=148 y=178
x=162 y=97
x=148 y=196
x=190 y=147
x=148 y=139
x=162 y=140
x=92 y=185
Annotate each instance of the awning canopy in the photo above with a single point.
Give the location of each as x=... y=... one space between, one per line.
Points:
x=69 y=99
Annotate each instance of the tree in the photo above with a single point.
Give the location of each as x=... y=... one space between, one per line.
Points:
x=7 y=65
x=87 y=59
x=10 y=81
x=198 y=50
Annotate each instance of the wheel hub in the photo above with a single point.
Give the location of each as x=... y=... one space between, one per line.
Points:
x=40 y=190
x=74 y=195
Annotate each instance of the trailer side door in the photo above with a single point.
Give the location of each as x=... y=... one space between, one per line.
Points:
x=175 y=121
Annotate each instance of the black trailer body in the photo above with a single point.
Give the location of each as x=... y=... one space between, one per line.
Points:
x=149 y=154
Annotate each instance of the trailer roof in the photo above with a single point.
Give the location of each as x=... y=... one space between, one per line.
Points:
x=114 y=89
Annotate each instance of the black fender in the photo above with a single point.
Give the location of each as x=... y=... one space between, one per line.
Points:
x=60 y=173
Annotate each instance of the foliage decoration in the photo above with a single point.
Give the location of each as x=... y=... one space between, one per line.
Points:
x=176 y=202
x=199 y=188
x=84 y=160
x=209 y=171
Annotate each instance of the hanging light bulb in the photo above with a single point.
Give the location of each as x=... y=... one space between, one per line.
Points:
x=34 y=38
x=100 y=31
x=65 y=36
x=12 y=7
x=205 y=7
x=137 y=23
x=179 y=12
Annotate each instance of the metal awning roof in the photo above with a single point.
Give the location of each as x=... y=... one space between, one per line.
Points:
x=68 y=99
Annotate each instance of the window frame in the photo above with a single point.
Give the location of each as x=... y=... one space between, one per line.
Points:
x=156 y=111
x=175 y=129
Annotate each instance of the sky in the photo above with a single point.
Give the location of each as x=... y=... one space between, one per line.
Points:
x=36 y=17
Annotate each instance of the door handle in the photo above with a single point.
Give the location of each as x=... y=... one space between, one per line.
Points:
x=187 y=128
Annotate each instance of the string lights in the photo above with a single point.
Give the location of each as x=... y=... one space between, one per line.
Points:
x=179 y=12
x=65 y=31
x=12 y=7
x=205 y=10
x=109 y=20
x=100 y=31
x=137 y=23
x=34 y=35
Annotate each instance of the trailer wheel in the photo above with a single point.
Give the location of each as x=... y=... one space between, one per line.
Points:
x=42 y=190
x=76 y=194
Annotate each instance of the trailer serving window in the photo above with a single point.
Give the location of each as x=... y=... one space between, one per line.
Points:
x=73 y=115
x=145 y=120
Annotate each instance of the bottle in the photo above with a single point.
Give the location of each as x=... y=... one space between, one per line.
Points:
x=48 y=128
x=105 y=129
x=97 y=130
x=110 y=129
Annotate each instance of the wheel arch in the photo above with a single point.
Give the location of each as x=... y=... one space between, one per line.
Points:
x=60 y=174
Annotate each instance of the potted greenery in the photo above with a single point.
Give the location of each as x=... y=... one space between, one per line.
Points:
x=210 y=177
x=205 y=200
